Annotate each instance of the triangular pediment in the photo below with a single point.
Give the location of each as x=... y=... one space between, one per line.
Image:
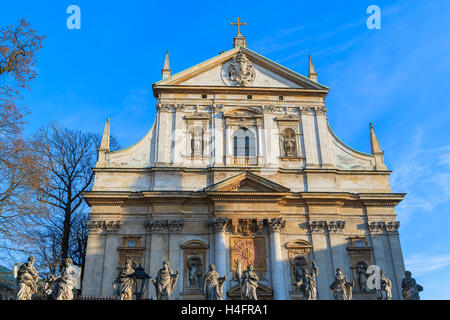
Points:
x=224 y=70
x=247 y=182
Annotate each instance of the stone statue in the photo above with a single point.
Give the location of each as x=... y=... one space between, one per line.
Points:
x=197 y=141
x=342 y=289
x=249 y=283
x=385 y=291
x=195 y=272
x=27 y=277
x=66 y=281
x=165 y=281
x=410 y=289
x=123 y=285
x=308 y=282
x=362 y=275
x=213 y=284
x=289 y=144
x=298 y=271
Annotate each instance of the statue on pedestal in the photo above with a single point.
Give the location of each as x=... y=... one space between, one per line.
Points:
x=66 y=281
x=165 y=281
x=307 y=282
x=385 y=291
x=410 y=289
x=213 y=284
x=27 y=277
x=123 y=285
x=249 y=283
x=342 y=289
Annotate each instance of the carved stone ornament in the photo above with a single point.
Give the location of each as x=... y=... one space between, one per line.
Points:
x=241 y=71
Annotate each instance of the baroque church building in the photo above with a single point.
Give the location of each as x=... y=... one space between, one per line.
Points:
x=241 y=165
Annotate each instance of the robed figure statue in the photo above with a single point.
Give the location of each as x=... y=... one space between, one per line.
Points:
x=410 y=289
x=123 y=285
x=27 y=277
x=165 y=281
x=385 y=290
x=342 y=289
x=213 y=284
x=66 y=281
x=307 y=282
x=249 y=282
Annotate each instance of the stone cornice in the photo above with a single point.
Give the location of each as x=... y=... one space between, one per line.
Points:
x=341 y=199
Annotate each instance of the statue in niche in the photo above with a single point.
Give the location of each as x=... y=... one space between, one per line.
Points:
x=123 y=285
x=213 y=284
x=342 y=289
x=308 y=282
x=362 y=275
x=385 y=291
x=26 y=277
x=66 y=281
x=410 y=289
x=297 y=267
x=165 y=281
x=197 y=141
x=289 y=143
x=195 y=272
x=249 y=283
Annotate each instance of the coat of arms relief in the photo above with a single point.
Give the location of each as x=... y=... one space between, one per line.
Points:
x=241 y=71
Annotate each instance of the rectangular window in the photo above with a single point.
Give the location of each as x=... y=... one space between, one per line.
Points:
x=131 y=243
x=280 y=98
x=204 y=96
x=249 y=97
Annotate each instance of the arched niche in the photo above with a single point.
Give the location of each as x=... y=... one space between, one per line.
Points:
x=299 y=253
x=194 y=266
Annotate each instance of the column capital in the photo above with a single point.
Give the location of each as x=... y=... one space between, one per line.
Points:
x=318 y=226
x=276 y=224
x=218 y=224
x=391 y=226
x=175 y=226
x=380 y=226
x=101 y=226
x=335 y=226
x=156 y=226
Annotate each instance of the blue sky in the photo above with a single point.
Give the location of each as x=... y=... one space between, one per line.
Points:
x=396 y=77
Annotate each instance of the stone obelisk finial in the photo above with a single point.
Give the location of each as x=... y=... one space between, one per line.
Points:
x=376 y=150
x=166 y=72
x=312 y=74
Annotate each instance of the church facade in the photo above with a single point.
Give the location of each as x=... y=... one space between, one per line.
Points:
x=241 y=165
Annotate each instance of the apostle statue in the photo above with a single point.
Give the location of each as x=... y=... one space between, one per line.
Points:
x=410 y=289
x=362 y=275
x=27 y=277
x=249 y=283
x=165 y=281
x=123 y=285
x=385 y=291
x=66 y=281
x=308 y=282
x=213 y=284
x=342 y=289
